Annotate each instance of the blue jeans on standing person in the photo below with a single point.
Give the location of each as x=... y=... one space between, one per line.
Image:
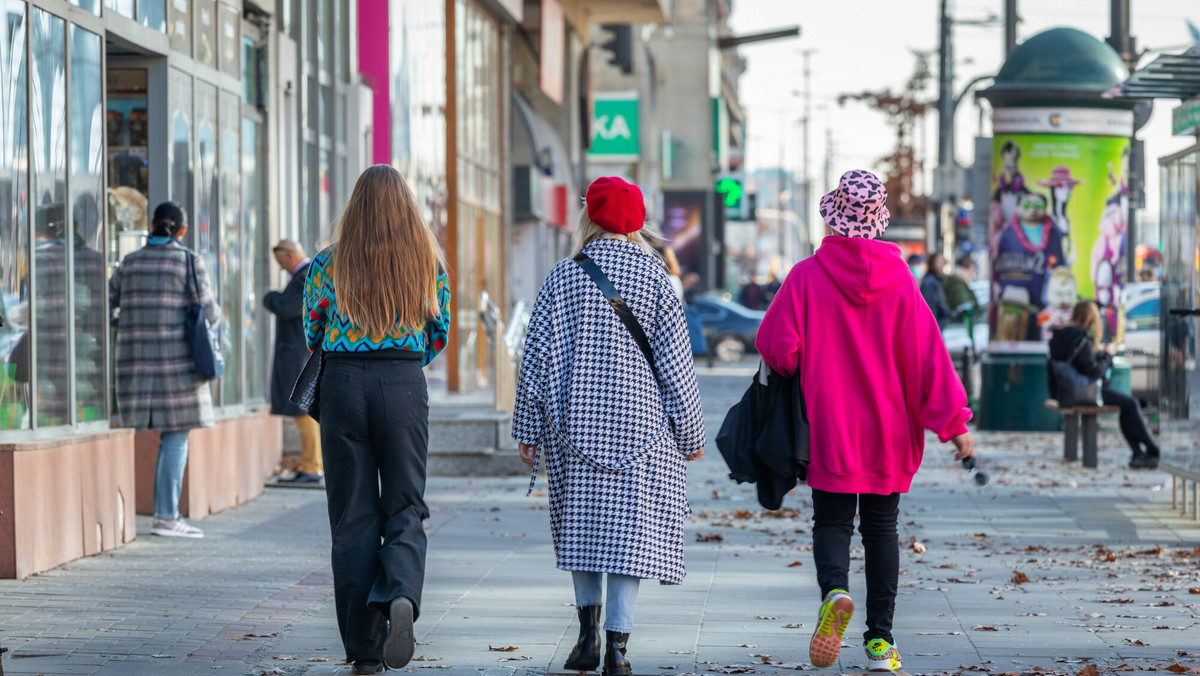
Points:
x=622 y=596
x=168 y=477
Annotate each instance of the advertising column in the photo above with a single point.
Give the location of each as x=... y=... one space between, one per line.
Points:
x=1057 y=226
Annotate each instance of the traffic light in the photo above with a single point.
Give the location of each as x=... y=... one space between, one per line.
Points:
x=621 y=46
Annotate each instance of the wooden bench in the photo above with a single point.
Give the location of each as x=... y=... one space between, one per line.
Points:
x=1074 y=418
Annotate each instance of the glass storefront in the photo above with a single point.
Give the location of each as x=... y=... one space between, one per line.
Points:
x=15 y=394
x=479 y=255
x=1180 y=309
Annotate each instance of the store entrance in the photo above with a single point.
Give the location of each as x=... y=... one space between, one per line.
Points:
x=127 y=154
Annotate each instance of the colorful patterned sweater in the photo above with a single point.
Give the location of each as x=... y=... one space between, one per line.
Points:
x=336 y=333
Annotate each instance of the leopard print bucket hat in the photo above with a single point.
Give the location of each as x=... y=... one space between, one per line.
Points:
x=858 y=208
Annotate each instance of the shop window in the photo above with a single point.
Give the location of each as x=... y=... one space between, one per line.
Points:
x=153 y=14
x=254 y=261
x=87 y=225
x=128 y=162
x=179 y=153
x=179 y=25
x=47 y=131
x=251 y=82
x=206 y=31
x=15 y=391
x=92 y=6
x=230 y=254
x=229 y=40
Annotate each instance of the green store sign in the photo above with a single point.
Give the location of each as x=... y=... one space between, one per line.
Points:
x=615 y=128
x=1186 y=118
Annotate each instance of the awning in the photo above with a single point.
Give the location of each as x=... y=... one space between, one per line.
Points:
x=1170 y=76
x=542 y=169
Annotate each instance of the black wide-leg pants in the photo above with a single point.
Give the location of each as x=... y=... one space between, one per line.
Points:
x=375 y=436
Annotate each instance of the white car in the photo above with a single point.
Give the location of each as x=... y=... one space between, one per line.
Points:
x=1143 y=338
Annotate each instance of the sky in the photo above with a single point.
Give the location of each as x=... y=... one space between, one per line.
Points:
x=868 y=45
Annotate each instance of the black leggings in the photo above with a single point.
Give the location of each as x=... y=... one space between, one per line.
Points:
x=1133 y=427
x=833 y=526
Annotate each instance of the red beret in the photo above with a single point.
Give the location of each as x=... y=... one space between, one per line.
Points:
x=615 y=205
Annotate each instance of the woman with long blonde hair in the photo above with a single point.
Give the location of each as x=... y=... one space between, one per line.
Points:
x=1079 y=343
x=615 y=416
x=378 y=304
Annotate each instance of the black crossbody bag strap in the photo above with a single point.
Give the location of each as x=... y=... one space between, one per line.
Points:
x=620 y=307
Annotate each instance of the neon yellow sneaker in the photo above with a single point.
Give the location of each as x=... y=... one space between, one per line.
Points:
x=882 y=656
x=835 y=614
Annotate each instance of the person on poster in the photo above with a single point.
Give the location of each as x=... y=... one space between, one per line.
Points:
x=1061 y=183
x=1009 y=186
x=1028 y=250
x=1109 y=251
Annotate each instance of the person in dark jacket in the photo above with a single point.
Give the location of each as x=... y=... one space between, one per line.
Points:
x=933 y=291
x=1076 y=343
x=290 y=355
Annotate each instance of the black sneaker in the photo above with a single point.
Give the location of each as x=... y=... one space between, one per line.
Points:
x=400 y=644
x=368 y=667
x=1142 y=461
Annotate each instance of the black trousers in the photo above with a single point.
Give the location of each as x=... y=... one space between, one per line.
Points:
x=1133 y=426
x=375 y=436
x=833 y=526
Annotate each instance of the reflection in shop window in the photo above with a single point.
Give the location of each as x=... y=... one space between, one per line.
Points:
x=15 y=389
x=153 y=13
x=48 y=130
x=180 y=150
x=122 y=7
x=231 y=251
x=255 y=262
x=128 y=192
x=87 y=191
x=92 y=6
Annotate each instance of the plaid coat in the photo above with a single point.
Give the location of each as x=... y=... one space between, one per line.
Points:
x=157 y=384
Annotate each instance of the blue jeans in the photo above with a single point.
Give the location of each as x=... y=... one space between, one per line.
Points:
x=168 y=477
x=622 y=595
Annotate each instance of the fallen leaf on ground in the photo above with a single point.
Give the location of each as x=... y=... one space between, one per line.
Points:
x=1019 y=577
x=919 y=548
x=509 y=649
x=319 y=659
x=748 y=645
x=1194 y=590
x=1089 y=670
x=1178 y=669
x=422 y=658
x=709 y=537
x=980 y=627
x=795 y=564
x=518 y=658
x=765 y=617
x=680 y=652
x=1135 y=641
x=794 y=625
x=285 y=658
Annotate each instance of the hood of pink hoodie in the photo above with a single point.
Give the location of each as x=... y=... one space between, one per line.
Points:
x=866 y=270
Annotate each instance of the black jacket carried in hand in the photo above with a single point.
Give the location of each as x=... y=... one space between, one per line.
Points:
x=1065 y=342
x=291 y=352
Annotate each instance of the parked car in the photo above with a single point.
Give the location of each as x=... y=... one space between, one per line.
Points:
x=1143 y=336
x=731 y=327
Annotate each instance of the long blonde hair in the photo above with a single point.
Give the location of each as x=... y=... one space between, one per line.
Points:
x=1086 y=315
x=385 y=262
x=588 y=232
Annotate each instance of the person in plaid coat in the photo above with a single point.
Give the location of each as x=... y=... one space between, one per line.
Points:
x=615 y=435
x=157 y=384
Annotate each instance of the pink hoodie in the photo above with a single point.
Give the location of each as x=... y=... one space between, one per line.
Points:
x=875 y=369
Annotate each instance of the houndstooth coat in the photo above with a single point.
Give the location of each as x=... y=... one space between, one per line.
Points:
x=613 y=440
x=157 y=384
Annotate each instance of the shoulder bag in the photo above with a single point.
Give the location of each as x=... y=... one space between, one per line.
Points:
x=620 y=307
x=1073 y=388
x=306 y=393
x=202 y=337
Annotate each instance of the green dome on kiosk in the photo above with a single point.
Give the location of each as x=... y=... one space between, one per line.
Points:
x=1061 y=63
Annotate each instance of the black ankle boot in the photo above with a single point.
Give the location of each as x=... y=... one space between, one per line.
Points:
x=585 y=656
x=615 y=663
x=1141 y=461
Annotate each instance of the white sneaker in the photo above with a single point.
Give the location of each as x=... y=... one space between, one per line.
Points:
x=176 y=528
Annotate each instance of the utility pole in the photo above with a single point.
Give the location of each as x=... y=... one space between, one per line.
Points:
x=946 y=168
x=1010 y=26
x=806 y=177
x=1124 y=44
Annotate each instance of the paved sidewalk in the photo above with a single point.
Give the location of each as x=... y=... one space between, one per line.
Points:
x=1048 y=569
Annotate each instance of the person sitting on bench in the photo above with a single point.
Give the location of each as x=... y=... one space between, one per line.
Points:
x=1094 y=361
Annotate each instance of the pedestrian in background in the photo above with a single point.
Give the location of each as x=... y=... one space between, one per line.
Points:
x=1078 y=343
x=959 y=295
x=378 y=303
x=854 y=309
x=157 y=384
x=290 y=355
x=933 y=291
x=615 y=425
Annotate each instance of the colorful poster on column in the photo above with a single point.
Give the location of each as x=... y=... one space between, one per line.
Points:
x=1057 y=228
